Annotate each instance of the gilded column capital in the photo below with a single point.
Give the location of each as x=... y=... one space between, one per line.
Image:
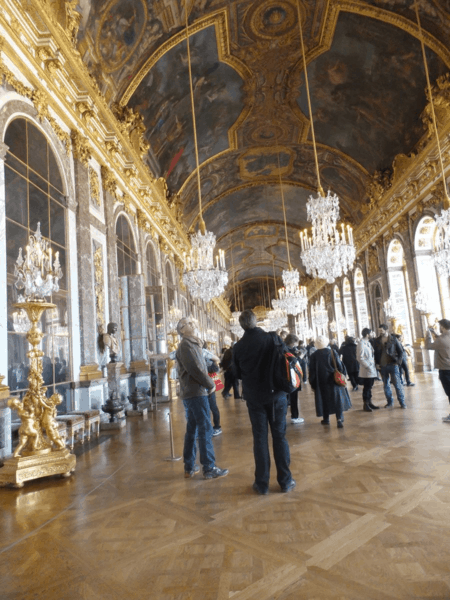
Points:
x=80 y=147
x=109 y=181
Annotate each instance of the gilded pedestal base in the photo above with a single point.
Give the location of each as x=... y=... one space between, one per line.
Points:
x=17 y=470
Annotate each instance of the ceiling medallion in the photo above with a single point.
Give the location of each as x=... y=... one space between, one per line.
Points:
x=273 y=18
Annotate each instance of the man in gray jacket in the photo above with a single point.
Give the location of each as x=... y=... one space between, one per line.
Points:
x=441 y=347
x=195 y=384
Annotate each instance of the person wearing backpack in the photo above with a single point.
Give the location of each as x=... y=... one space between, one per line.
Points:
x=253 y=357
x=291 y=342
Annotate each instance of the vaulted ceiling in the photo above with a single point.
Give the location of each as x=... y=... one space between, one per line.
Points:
x=367 y=87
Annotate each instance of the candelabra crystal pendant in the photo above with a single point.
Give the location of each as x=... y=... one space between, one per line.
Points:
x=441 y=254
x=292 y=298
x=328 y=253
x=319 y=315
x=235 y=326
x=202 y=278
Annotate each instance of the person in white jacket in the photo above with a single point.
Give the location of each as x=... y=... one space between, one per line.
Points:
x=367 y=368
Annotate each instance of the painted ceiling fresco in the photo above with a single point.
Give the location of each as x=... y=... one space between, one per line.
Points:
x=163 y=98
x=367 y=86
x=357 y=87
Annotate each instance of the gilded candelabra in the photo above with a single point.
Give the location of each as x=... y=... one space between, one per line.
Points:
x=41 y=451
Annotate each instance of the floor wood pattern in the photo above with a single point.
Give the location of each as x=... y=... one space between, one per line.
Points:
x=368 y=520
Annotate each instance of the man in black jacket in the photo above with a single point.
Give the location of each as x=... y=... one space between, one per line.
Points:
x=388 y=357
x=252 y=360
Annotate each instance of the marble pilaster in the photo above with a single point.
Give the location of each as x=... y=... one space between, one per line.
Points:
x=3 y=276
x=88 y=328
x=125 y=320
x=137 y=322
x=111 y=250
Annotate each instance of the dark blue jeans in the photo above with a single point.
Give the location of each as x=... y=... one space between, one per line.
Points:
x=404 y=368
x=444 y=377
x=392 y=372
x=303 y=368
x=198 y=426
x=214 y=409
x=261 y=416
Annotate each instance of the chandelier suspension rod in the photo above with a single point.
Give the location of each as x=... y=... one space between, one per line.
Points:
x=313 y=135
x=234 y=275
x=274 y=277
x=268 y=290
x=433 y=114
x=283 y=205
x=194 y=123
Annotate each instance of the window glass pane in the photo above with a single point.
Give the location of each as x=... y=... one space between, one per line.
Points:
x=57 y=196
x=16 y=164
x=37 y=151
x=16 y=238
x=15 y=139
x=57 y=223
x=16 y=197
x=38 y=210
x=62 y=261
x=37 y=180
x=54 y=174
x=120 y=265
x=19 y=363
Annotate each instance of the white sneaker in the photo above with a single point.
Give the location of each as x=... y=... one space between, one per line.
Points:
x=300 y=420
x=446 y=419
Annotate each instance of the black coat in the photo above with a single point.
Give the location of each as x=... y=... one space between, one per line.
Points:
x=252 y=361
x=321 y=378
x=393 y=349
x=348 y=353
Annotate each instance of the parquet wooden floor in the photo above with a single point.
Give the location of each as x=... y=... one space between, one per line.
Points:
x=368 y=520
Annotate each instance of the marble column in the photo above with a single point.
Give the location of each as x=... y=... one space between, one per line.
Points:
x=88 y=327
x=138 y=324
x=111 y=249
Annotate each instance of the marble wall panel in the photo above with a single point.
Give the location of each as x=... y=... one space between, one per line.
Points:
x=5 y=430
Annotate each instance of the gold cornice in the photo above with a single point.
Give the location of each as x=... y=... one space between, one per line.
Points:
x=257 y=224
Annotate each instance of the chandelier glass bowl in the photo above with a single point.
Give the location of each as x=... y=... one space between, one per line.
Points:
x=326 y=253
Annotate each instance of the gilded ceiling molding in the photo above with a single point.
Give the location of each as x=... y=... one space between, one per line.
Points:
x=252 y=224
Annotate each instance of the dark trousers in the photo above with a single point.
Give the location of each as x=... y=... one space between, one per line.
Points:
x=353 y=376
x=214 y=409
x=199 y=427
x=261 y=417
x=230 y=381
x=326 y=414
x=367 y=388
x=293 y=401
x=444 y=377
x=404 y=367
x=303 y=368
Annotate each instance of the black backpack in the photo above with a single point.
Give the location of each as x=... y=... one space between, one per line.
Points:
x=285 y=372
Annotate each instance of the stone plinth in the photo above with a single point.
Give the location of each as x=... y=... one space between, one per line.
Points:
x=115 y=370
x=116 y=426
x=142 y=412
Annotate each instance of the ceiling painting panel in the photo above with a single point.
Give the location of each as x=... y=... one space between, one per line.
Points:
x=368 y=91
x=163 y=98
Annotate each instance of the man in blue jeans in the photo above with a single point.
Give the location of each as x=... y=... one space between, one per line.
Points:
x=388 y=356
x=195 y=384
x=252 y=359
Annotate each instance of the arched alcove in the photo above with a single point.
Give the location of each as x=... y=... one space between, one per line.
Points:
x=397 y=283
x=426 y=271
x=127 y=261
x=348 y=307
x=361 y=300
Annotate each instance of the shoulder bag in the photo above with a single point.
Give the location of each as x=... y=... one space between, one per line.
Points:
x=339 y=379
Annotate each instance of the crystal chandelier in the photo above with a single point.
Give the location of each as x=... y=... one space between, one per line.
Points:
x=21 y=322
x=35 y=273
x=235 y=326
x=276 y=319
x=333 y=326
x=203 y=279
x=173 y=317
x=302 y=328
x=292 y=298
x=390 y=308
x=327 y=253
x=319 y=315
x=422 y=301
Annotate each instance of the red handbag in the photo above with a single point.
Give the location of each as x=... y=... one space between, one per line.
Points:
x=215 y=377
x=339 y=378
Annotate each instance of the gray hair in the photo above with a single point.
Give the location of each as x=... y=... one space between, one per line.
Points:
x=247 y=319
x=181 y=323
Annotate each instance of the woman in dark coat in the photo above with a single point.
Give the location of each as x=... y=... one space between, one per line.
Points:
x=330 y=398
x=348 y=353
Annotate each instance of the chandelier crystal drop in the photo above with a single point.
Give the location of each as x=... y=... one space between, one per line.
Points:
x=204 y=279
x=21 y=322
x=276 y=319
x=35 y=273
x=327 y=253
x=319 y=315
x=441 y=254
x=173 y=317
x=292 y=298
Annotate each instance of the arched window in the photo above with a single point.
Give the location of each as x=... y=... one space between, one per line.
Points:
x=379 y=317
x=34 y=194
x=126 y=250
x=348 y=307
x=361 y=301
x=152 y=266
x=340 y=319
x=397 y=281
x=423 y=246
